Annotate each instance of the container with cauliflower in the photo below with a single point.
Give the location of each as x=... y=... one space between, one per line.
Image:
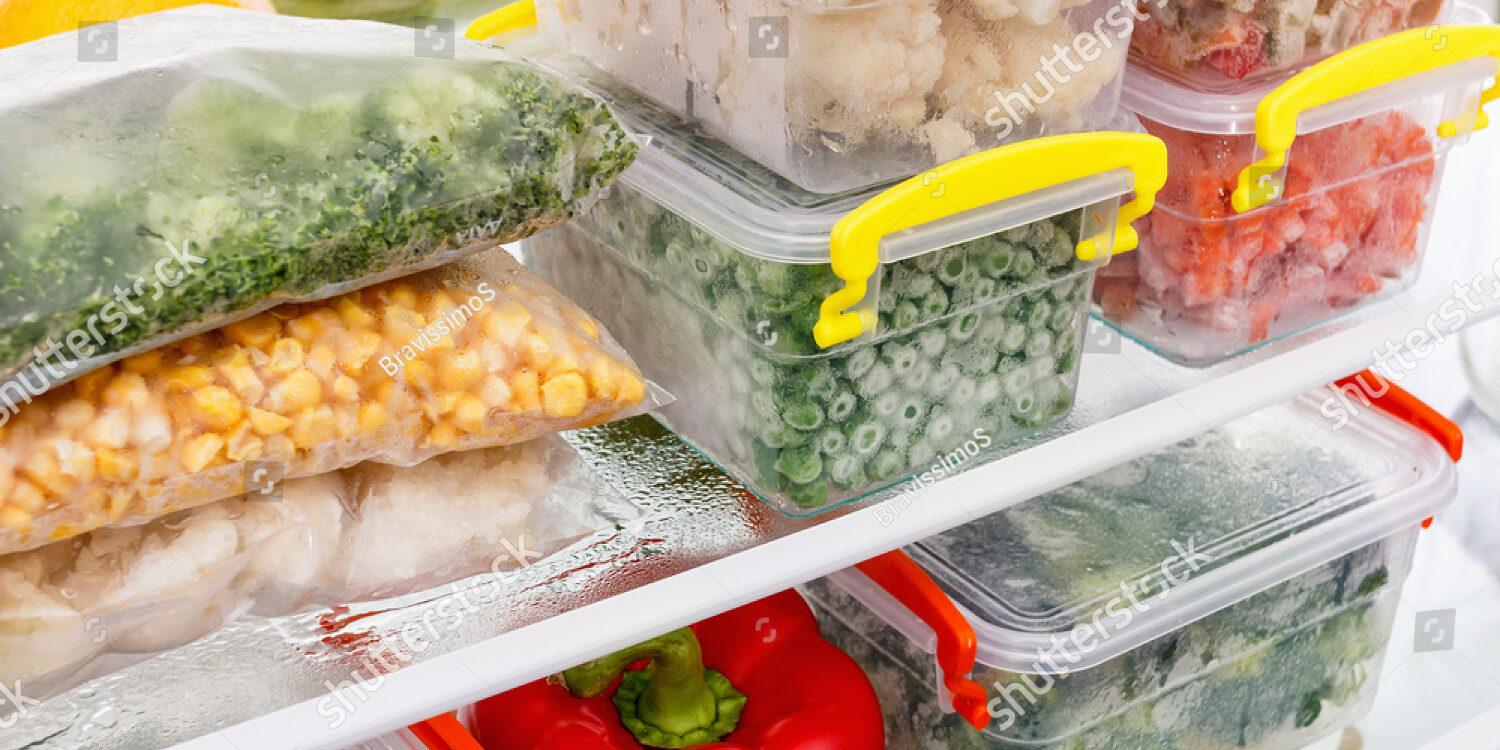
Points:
x=474 y=354
x=836 y=95
x=77 y=608
x=967 y=334
x=1234 y=591
x=1284 y=209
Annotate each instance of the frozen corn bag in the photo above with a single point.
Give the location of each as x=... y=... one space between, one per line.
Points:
x=75 y=609
x=475 y=354
x=216 y=166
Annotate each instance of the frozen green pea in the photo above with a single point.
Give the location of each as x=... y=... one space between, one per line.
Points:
x=1016 y=382
x=941 y=427
x=1024 y=267
x=832 y=443
x=1039 y=345
x=886 y=404
x=776 y=279
x=934 y=305
x=963 y=326
x=931 y=341
x=764 y=404
x=1037 y=314
x=901 y=357
x=859 y=362
x=928 y=262
x=908 y=282
x=800 y=463
x=943 y=379
x=905 y=315
x=842 y=405
x=813 y=494
x=917 y=377
x=804 y=416
x=887 y=304
x=1063 y=318
x=818 y=382
x=990 y=391
x=996 y=260
x=847 y=472
x=875 y=382
x=953 y=266
x=774 y=434
x=963 y=392
x=886 y=464
x=866 y=436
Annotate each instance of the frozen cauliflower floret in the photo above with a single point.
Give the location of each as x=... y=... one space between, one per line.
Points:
x=295 y=539
x=991 y=62
x=418 y=520
x=854 y=76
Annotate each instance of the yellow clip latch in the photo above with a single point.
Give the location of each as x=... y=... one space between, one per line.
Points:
x=517 y=15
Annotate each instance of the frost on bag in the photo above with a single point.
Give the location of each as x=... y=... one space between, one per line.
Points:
x=76 y=609
x=475 y=354
x=222 y=166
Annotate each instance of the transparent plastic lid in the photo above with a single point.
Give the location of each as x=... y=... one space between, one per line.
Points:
x=761 y=213
x=1156 y=96
x=1145 y=548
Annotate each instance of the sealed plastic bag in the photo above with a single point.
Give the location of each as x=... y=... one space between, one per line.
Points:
x=475 y=354
x=76 y=609
x=224 y=161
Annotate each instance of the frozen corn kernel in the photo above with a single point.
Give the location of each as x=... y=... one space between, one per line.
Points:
x=89 y=385
x=538 y=351
x=189 y=377
x=200 y=451
x=266 y=423
x=371 y=416
x=565 y=362
x=27 y=497
x=346 y=420
x=354 y=315
x=321 y=359
x=13 y=518
x=443 y=435
x=632 y=390
x=217 y=407
x=281 y=448
x=258 y=331
x=73 y=415
x=127 y=389
x=286 y=355
x=110 y=429
x=401 y=325
x=313 y=325
x=585 y=324
x=313 y=426
x=506 y=323
x=356 y=350
x=495 y=392
x=75 y=460
x=418 y=374
x=244 y=446
x=117 y=465
x=564 y=395
x=525 y=392
x=242 y=378
x=143 y=363
x=460 y=370
x=41 y=468
x=469 y=413
x=345 y=388
x=604 y=377
x=401 y=294
x=298 y=391
x=438 y=404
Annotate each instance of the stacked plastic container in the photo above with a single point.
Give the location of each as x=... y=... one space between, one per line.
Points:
x=1294 y=195
x=1234 y=591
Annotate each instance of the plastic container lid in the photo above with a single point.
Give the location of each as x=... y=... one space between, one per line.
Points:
x=764 y=215
x=1155 y=96
x=1181 y=529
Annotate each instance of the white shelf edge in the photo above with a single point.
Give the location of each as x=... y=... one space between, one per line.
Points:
x=469 y=674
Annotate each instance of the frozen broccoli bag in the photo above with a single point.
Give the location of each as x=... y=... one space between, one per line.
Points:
x=230 y=161
x=76 y=609
x=474 y=354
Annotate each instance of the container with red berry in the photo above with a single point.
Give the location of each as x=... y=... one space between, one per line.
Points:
x=1286 y=206
x=1214 y=45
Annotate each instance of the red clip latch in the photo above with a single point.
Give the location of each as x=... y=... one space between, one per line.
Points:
x=444 y=732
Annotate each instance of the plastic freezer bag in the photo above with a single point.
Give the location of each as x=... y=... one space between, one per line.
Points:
x=76 y=609
x=475 y=354
x=228 y=161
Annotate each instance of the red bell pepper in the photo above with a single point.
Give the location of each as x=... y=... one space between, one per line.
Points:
x=774 y=684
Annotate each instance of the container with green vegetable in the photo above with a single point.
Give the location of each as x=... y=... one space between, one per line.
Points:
x=1235 y=590
x=225 y=161
x=713 y=272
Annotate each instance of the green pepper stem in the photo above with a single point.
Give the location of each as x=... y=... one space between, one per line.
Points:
x=674 y=702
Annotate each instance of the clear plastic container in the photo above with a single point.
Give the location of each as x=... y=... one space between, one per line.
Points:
x=1221 y=45
x=1245 y=244
x=1233 y=591
x=837 y=95
x=953 y=324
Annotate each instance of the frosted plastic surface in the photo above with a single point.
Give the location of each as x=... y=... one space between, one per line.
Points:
x=75 y=609
x=841 y=95
x=475 y=354
x=186 y=183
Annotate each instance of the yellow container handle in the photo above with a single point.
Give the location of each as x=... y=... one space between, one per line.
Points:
x=979 y=180
x=1367 y=66
x=517 y=15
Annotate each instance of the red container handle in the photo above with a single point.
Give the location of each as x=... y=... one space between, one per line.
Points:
x=1397 y=402
x=444 y=732
x=957 y=646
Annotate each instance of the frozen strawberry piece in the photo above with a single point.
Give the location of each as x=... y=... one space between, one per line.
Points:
x=1244 y=58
